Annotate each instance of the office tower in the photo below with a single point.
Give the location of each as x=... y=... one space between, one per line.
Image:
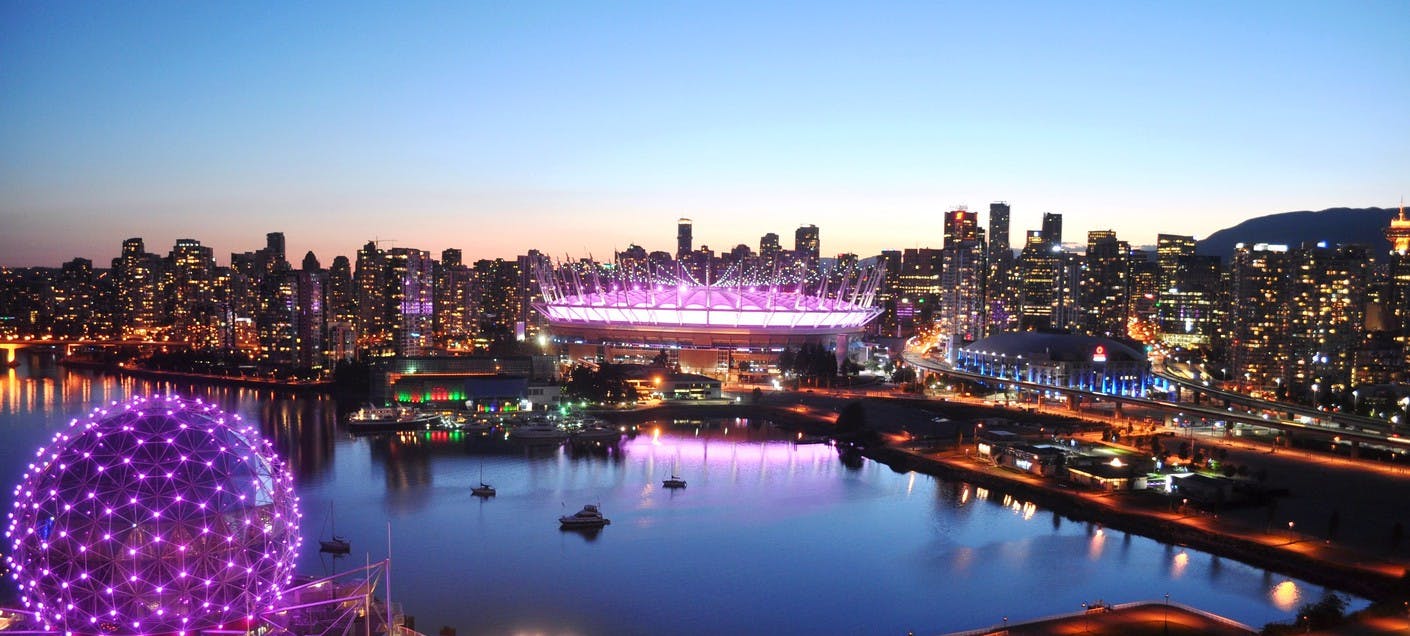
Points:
x=1039 y=271
x=1187 y=314
x=684 y=242
x=1143 y=287
x=1105 y=294
x=806 y=245
x=137 y=275
x=1258 y=315
x=410 y=300
x=885 y=325
x=1326 y=314
x=1000 y=287
x=371 y=280
x=1052 y=229
x=917 y=289
x=961 y=225
x=1000 y=251
x=1169 y=249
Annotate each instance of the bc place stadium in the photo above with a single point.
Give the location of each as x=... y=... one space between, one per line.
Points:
x=625 y=310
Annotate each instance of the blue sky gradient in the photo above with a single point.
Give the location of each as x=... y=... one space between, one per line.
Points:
x=581 y=127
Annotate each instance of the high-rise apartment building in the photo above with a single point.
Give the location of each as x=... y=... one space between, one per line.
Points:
x=370 y=279
x=137 y=275
x=1258 y=315
x=962 y=310
x=1326 y=313
x=410 y=300
x=455 y=322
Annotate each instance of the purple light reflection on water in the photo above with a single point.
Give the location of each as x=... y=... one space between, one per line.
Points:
x=768 y=536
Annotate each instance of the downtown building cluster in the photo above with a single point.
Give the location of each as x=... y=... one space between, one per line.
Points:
x=1315 y=318
x=384 y=302
x=1310 y=322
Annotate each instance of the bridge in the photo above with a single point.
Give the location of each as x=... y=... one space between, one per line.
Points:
x=11 y=345
x=1355 y=430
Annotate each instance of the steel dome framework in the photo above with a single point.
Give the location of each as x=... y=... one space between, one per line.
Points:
x=159 y=515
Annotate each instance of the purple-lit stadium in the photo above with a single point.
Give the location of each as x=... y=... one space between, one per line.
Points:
x=160 y=515
x=737 y=312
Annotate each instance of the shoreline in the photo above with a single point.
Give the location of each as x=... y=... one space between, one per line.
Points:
x=199 y=378
x=1368 y=582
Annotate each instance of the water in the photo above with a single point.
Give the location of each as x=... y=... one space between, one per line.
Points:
x=768 y=537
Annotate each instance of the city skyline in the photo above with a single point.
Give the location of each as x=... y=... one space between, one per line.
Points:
x=456 y=126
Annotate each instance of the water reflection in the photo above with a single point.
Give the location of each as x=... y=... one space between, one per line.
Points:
x=764 y=516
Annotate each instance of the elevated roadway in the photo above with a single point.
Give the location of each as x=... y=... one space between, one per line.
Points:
x=1378 y=433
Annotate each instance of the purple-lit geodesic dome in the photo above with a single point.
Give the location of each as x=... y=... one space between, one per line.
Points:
x=160 y=515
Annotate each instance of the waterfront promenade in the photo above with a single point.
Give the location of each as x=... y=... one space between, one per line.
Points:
x=1129 y=619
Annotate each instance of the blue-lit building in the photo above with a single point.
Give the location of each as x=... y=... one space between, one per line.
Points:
x=1062 y=360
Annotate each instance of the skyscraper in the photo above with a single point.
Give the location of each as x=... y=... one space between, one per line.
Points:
x=1258 y=314
x=410 y=300
x=1105 y=292
x=961 y=225
x=1052 y=229
x=371 y=283
x=805 y=243
x=1039 y=271
x=684 y=243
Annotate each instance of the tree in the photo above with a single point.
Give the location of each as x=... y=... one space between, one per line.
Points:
x=852 y=418
x=758 y=395
x=662 y=359
x=1325 y=613
x=903 y=375
x=1333 y=525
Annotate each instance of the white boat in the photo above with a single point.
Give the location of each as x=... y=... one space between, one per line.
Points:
x=538 y=432
x=588 y=517
x=369 y=419
x=597 y=433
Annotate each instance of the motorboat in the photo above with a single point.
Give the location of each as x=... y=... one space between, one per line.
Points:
x=597 y=433
x=673 y=483
x=370 y=419
x=588 y=517
x=538 y=432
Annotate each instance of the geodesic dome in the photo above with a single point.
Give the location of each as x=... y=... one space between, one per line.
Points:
x=160 y=515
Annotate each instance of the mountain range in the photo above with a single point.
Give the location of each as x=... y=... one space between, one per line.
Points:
x=1334 y=225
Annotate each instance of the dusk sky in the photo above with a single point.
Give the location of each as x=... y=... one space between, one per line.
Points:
x=581 y=127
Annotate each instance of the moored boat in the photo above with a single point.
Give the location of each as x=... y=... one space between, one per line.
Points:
x=588 y=517
x=378 y=420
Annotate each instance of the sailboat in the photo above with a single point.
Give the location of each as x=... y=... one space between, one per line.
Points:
x=484 y=490
x=675 y=481
x=337 y=544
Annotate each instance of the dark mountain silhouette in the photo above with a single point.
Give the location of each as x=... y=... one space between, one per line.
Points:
x=1336 y=225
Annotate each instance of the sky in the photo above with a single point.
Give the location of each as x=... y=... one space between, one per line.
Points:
x=578 y=128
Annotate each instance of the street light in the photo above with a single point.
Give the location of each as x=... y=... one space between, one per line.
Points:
x=1084 y=617
x=1166 y=628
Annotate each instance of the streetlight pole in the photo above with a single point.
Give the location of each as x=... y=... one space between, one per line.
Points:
x=1084 y=618
x=1166 y=621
